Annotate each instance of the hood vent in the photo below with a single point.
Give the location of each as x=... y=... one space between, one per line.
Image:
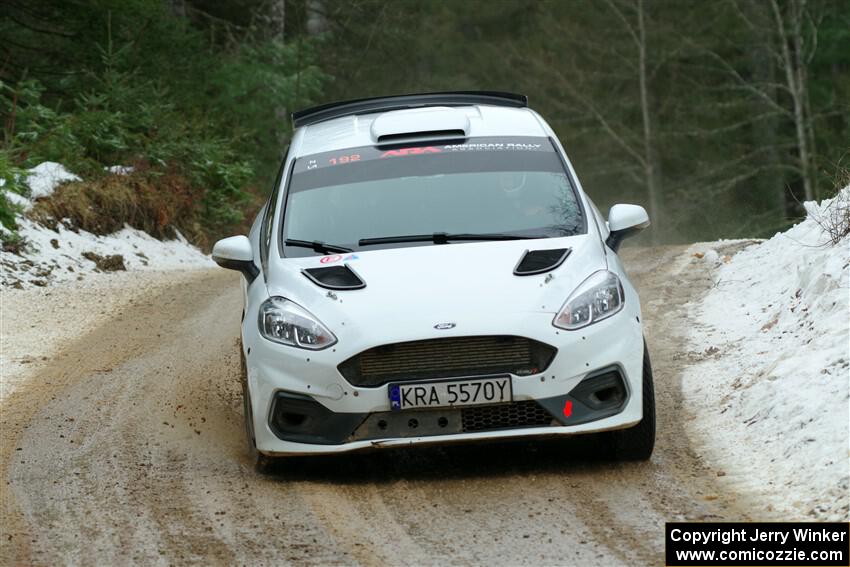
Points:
x=424 y=135
x=540 y=261
x=420 y=123
x=334 y=277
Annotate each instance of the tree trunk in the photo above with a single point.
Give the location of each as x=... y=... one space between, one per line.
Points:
x=277 y=25
x=316 y=21
x=177 y=7
x=651 y=173
x=765 y=132
x=795 y=77
x=803 y=82
x=277 y=18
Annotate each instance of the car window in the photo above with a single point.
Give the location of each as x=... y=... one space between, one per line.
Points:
x=482 y=185
x=268 y=216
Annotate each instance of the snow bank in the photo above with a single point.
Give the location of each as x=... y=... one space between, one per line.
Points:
x=19 y=200
x=53 y=256
x=770 y=396
x=44 y=178
x=64 y=255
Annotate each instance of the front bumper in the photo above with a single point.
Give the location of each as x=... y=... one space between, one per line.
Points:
x=303 y=405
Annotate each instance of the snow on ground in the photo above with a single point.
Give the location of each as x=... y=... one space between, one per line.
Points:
x=64 y=255
x=53 y=256
x=45 y=177
x=120 y=169
x=770 y=393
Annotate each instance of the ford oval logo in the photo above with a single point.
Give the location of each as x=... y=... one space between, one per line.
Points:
x=444 y=326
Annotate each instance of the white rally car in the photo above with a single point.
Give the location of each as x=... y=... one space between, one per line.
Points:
x=428 y=269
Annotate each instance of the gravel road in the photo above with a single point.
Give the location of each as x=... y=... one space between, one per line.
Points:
x=122 y=443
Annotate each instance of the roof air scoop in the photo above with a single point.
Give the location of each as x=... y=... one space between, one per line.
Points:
x=334 y=277
x=535 y=262
x=418 y=124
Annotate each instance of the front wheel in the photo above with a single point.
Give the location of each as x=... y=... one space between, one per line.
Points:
x=637 y=442
x=262 y=463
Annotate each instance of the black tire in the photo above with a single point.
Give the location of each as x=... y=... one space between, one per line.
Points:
x=637 y=442
x=262 y=463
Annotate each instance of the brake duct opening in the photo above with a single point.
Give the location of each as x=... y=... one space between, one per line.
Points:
x=599 y=395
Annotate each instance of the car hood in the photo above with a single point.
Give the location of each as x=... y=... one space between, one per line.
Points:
x=430 y=285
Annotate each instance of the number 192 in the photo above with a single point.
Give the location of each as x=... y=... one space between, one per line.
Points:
x=344 y=159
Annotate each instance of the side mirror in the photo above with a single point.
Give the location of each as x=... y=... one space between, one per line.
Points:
x=235 y=253
x=623 y=221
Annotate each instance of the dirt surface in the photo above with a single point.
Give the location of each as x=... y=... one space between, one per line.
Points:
x=126 y=446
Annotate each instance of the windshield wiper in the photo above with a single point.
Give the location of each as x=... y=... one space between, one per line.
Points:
x=317 y=246
x=443 y=238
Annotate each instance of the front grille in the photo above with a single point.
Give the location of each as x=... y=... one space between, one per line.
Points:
x=504 y=416
x=446 y=358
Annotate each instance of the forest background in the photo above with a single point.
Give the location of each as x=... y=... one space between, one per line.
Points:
x=719 y=116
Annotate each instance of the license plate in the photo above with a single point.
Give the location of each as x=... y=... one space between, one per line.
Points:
x=450 y=393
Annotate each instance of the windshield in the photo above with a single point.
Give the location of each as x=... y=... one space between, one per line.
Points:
x=514 y=186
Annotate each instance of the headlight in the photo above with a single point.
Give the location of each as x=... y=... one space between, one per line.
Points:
x=287 y=323
x=597 y=298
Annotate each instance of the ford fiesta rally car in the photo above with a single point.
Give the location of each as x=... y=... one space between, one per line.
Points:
x=428 y=269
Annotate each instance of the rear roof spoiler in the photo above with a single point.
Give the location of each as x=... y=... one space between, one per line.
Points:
x=399 y=102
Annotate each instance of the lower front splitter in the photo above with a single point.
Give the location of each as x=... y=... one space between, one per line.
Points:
x=301 y=419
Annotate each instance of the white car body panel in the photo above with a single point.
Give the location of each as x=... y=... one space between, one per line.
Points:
x=411 y=289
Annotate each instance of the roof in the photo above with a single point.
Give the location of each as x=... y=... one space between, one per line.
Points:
x=356 y=130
